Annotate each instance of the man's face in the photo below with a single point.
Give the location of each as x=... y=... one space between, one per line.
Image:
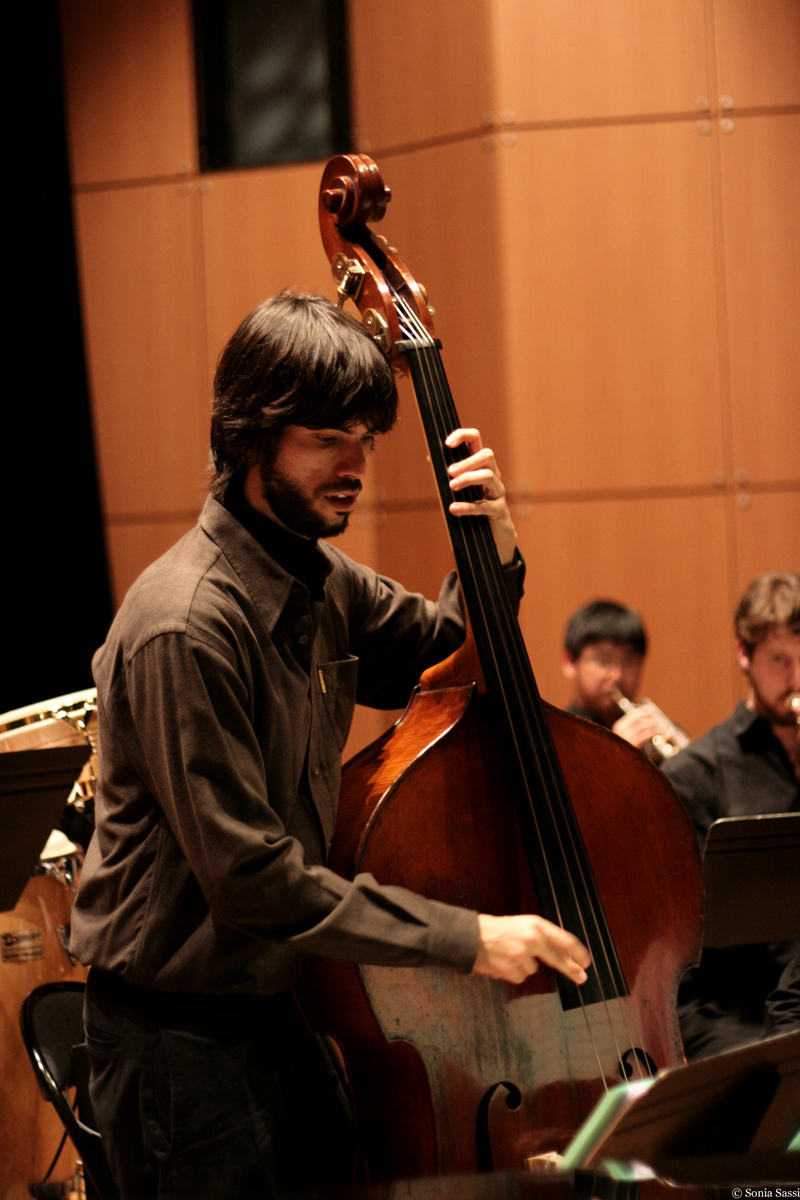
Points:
x=313 y=482
x=600 y=667
x=773 y=669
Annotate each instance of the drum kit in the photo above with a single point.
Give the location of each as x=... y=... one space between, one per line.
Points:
x=34 y=949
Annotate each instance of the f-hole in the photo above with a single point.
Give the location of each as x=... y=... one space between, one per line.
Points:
x=483 y=1136
x=628 y=1068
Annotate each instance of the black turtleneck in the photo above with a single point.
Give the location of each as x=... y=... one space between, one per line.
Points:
x=301 y=557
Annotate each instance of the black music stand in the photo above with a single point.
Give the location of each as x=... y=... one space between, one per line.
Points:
x=730 y=1117
x=752 y=870
x=34 y=788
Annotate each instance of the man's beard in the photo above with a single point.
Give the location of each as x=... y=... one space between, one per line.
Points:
x=291 y=507
x=779 y=714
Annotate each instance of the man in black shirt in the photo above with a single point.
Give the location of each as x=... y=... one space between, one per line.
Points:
x=749 y=764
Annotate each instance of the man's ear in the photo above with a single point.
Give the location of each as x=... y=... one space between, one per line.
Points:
x=742 y=656
x=568 y=667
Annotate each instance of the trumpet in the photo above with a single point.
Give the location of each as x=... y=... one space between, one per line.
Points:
x=794 y=709
x=670 y=737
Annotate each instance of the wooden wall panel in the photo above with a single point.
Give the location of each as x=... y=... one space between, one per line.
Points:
x=572 y=270
x=443 y=218
x=137 y=253
x=571 y=59
x=664 y=557
x=132 y=547
x=612 y=353
x=413 y=548
x=368 y=724
x=402 y=472
x=758 y=51
x=760 y=163
x=419 y=70
x=767 y=525
x=129 y=82
x=260 y=235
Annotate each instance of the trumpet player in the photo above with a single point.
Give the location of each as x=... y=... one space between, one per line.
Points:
x=748 y=765
x=605 y=646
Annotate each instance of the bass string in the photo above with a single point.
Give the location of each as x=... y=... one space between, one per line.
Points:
x=484 y=565
x=446 y=419
x=492 y=592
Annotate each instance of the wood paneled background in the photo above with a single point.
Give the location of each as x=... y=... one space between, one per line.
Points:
x=603 y=199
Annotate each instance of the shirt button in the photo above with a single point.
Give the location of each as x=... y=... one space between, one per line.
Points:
x=303 y=639
x=315 y=772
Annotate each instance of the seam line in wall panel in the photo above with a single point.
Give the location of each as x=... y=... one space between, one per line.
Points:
x=201 y=318
x=624 y=119
x=768 y=485
x=557 y=496
x=723 y=344
x=151 y=518
x=763 y=110
x=566 y=496
x=465 y=135
x=665 y=118
x=112 y=185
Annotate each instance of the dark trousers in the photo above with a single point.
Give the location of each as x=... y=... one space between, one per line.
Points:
x=212 y=1096
x=737 y=995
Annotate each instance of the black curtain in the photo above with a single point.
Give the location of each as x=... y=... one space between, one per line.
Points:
x=56 y=601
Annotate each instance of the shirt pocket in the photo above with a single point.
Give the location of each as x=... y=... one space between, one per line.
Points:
x=337 y=681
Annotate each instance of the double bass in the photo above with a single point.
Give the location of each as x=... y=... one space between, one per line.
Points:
x=484 y=796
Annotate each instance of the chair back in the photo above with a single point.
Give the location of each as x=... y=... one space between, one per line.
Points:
x=52 y=1030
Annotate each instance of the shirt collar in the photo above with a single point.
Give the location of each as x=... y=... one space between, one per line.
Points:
x=268 y=583
x=301 y=557
x=749 y=726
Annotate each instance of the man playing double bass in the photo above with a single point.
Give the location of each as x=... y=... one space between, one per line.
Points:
x=225 y=693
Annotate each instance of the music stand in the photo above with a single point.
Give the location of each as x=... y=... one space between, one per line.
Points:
x=752 y=873
x=728 y=1117
x=34 y=788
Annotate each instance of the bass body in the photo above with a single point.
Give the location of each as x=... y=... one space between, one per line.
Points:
x=484 y=797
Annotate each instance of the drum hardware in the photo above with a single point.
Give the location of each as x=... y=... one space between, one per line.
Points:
x=26 y=727
x=65 y=932
x=78 y=717
x=65 y=870
x=61 y=860
x=34 y=947
x=34 y=943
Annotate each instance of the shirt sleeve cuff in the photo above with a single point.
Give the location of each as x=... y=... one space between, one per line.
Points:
x=514 y=577
x=453 y=937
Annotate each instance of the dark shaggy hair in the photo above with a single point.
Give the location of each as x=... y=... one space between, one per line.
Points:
x=772 y=600
x=296 y=360
x=605 y=621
